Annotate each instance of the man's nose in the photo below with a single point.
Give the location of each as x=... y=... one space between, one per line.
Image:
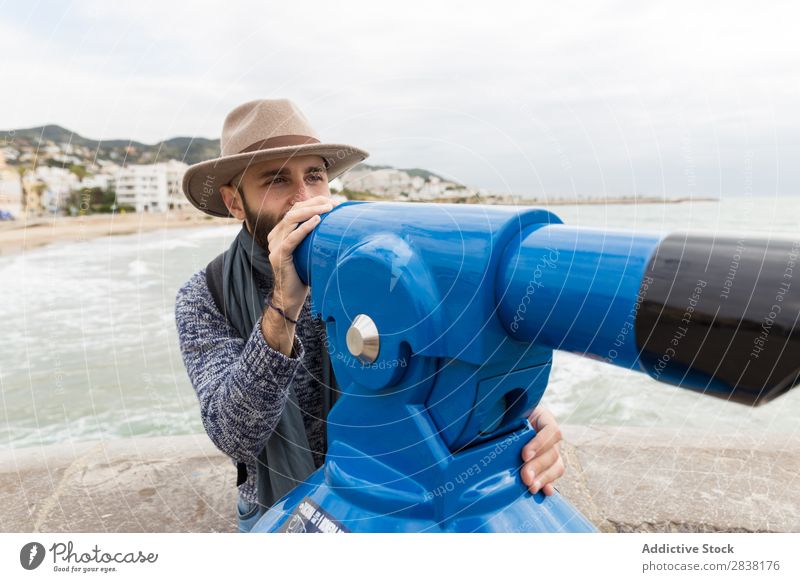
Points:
x=303 y=192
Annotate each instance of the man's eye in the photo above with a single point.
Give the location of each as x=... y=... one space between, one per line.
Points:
x=276 y=180
x=315 y=177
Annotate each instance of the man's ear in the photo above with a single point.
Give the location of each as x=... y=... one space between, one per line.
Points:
x=230 y=196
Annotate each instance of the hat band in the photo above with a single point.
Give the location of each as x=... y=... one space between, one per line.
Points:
x=280 y=141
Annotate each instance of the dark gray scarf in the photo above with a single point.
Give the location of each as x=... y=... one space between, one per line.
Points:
x=286 y=459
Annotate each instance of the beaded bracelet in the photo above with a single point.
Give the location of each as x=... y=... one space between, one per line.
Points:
x=279 y=310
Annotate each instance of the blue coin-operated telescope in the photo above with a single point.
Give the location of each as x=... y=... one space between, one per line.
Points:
x=442 y=321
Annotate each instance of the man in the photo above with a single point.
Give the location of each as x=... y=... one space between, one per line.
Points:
x=257 y=368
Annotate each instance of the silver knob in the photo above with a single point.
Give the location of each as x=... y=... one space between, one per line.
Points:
x=363 y=339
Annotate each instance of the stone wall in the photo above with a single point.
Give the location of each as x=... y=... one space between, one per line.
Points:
x=622 y=479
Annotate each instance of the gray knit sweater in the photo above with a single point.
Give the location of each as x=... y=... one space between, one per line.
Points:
x=243 y=385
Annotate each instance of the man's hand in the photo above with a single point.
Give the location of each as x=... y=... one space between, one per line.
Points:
x=289 y=293
x=542 y=462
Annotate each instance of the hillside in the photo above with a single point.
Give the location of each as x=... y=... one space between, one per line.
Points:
x=187 y=149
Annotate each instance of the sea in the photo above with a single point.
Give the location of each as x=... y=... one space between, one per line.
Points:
x=90 y=350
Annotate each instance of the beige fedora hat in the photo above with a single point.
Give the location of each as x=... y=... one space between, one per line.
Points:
x=265 y=129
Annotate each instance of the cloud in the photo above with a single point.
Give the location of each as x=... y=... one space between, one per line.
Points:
x=534 y=98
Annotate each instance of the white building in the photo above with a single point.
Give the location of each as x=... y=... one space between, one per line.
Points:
x=59 y=183
x=102 y=181
x=10 y=189
x=396 y=184
x=9 y=154
x=384 y=181
x=152 y=187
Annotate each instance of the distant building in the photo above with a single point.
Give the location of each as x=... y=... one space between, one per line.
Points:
x=33 y=195
x=399 y=184
x=59 y=182
x=10 y=154
x=102 y=181
x=10 y=189
x=152 y=187
x=384 y=181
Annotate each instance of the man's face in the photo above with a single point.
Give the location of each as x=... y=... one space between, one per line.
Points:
x=270 y=188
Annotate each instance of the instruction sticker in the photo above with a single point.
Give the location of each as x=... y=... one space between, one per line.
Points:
x=309 y=517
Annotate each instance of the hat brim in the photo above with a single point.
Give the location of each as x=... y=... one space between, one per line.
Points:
x=202 y=181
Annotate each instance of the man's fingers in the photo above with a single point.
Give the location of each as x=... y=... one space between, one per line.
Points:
x=313 y=201
x=297 y=215
x=294 y=238
x=555 y=471
x=541 y=417
x=548 y=437
x=544 y=461
x=539 y=466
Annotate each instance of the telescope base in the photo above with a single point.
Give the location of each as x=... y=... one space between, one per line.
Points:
x=315 y=507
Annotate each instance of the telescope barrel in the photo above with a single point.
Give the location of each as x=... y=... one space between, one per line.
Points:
x=713 y=313
x=716 y=314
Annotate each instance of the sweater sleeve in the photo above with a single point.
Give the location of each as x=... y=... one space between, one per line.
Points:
x=242 y=385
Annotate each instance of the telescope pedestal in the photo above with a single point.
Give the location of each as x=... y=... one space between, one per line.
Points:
x=476 y=497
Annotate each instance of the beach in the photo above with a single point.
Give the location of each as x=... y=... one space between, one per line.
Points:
x=23 y=235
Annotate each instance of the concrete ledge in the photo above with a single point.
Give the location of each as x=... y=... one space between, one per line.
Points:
x=623 y=479
x=166 y=484
x=657 y=480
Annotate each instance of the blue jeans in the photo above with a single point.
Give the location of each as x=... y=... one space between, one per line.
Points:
x=248 y=514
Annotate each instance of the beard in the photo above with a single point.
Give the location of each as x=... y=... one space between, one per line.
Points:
x=260 y=225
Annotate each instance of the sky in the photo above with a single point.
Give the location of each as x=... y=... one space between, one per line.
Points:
x=554 y=99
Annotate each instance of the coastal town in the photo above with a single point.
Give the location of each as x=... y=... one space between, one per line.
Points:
x=52 y=171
